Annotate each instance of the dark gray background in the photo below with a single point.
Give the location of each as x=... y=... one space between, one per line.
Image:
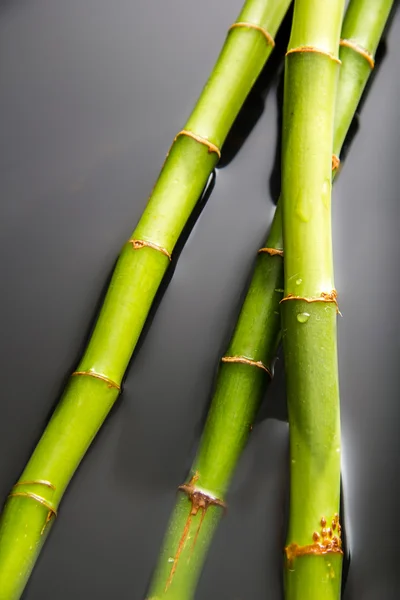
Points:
x=92 y=93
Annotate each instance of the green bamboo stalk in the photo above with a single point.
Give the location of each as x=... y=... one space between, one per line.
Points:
x=313 y=562
x=242 y=378
x=239 y=388
x=313 y=551
x=94 y=387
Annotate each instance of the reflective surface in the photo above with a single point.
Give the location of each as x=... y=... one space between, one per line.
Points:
x=91 y=96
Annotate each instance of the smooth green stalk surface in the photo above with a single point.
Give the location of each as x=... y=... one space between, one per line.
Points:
x=239 y=388
x=26 y=521
x=313 y=564
x=363 y=25
x=238 y=393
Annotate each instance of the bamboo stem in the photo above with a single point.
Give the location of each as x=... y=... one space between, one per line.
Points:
x=95 y=386
x=239 y=390
x=313 y=551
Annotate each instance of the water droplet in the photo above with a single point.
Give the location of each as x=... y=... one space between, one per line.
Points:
x=303 y=207
x=326 y=193
x=303 y=317
x=299 y=281
x=170 y=560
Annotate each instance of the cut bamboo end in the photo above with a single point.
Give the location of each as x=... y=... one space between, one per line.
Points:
x=52 y=510
x=110 y=382
x=305 y=49
x=324 y=297
x=202 y=140
x=335 y=162
x=246 y=361
x=271 y=251
x=36 y=482
x=265 y=33
x=139 y=244
x=360 y=50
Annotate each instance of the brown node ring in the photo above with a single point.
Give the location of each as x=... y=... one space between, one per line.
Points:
x=36 y=482
x=295 y=551
x=266 y=34
x=360 y=50
x=52 y=510
x=139 y=244
x=324 y=297
x=110 y=382
x=246 y=361
x=198 y=138
x=305 y=49
x=271 y=251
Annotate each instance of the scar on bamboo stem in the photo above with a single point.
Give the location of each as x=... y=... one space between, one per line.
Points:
x=326 y=541
x=199 y=501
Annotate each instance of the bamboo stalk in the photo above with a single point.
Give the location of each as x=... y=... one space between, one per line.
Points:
x=241 y=386
x=242 y=377
x=94 y=387
x=313 y=551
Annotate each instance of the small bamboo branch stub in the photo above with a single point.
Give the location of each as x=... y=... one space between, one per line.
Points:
x=271 y=251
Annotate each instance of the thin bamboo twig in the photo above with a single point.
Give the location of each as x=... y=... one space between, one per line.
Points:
x=96 y=383
x=239 y=390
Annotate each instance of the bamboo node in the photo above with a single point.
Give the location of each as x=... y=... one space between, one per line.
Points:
x=305 y=49
x=139 y=244
x=199 y=501
x=110 y=382
x=246 y=361
x=324 y=542
x=52 y=511
x=271 y=251
x=202 y=140
x=266 y=34
x=36 y=482
x=335 y=162
x=324 y=297
x=360 y=50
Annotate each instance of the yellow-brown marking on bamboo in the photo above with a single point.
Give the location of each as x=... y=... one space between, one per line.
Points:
x=202 y=140
x=324 y=297
x=295 y=551
x=327 y=545
x=335 y=162
x=305 y=49
x=199 y=501
x=52 y=510
x=139 y=244
x=266 y=34
x=246 y=361
x=271 y=251
x=110 y=382
x=360 y=50
x=36 y=482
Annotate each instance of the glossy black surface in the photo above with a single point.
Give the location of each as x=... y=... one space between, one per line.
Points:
x=92 y=93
